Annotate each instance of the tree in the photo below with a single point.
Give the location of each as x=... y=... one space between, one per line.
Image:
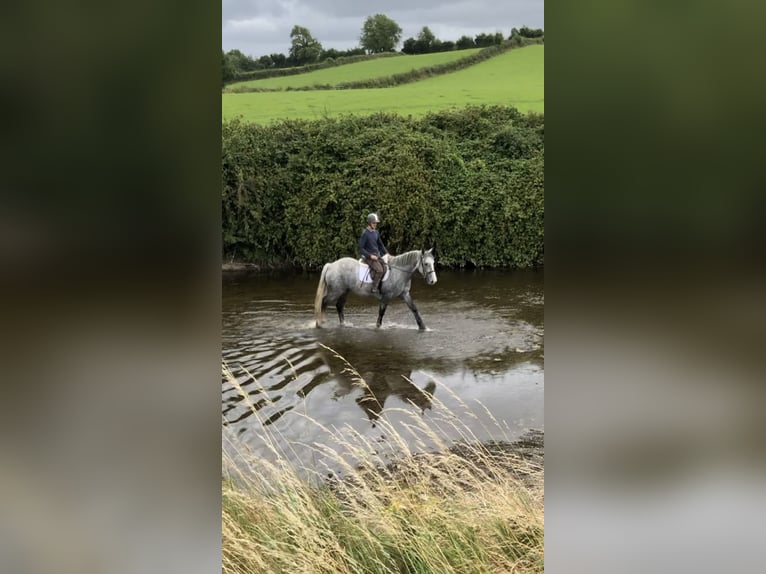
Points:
x=409 y=46
x=465 y=42
x=485 y=40
x=239 y=61
x=330 y=54
x=426 y=38
x=304 y=49
x=227 y=70
x=380 y=34
x=265 y=62
x=531 y=32
x=280 y=60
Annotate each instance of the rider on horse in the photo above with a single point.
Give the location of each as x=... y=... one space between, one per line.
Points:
x=372 y=249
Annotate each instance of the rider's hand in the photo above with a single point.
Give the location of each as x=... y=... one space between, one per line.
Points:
x=374 y=257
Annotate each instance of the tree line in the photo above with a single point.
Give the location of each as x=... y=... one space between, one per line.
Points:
x=379 y=34
x=471 y=181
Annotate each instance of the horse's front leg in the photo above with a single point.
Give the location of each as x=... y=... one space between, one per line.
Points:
x=411 y=304
x=382 y=311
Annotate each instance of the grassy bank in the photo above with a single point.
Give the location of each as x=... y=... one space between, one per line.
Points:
x=467 y=508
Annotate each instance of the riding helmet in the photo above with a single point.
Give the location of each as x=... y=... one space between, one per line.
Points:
x=373 y=218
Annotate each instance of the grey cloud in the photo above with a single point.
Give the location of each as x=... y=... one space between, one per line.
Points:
x=258 y=27
x=244 y=9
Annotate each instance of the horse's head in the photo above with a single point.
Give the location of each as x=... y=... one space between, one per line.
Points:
x=427 y=266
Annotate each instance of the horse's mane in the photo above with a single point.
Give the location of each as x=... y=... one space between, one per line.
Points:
x=406 y=259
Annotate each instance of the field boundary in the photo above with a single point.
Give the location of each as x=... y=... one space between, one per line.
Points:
x=406 y=77
x=295 y=71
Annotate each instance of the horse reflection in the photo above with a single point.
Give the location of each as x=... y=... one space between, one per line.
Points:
x=380 y=387
x=358 y=367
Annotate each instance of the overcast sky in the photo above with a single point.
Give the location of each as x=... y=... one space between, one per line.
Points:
x=261 y=27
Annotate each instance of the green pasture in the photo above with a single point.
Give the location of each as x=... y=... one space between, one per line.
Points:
x=514 y=78
x=358 y=71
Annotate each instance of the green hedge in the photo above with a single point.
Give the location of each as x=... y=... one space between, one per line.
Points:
x=294 y=71
x=297 y=192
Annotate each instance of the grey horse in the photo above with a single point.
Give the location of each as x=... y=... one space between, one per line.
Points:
x=341 y=277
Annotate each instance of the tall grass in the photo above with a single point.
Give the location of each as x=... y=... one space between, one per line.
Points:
x=477 y=508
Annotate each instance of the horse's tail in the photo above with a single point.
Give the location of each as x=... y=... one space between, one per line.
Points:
x=321 y=290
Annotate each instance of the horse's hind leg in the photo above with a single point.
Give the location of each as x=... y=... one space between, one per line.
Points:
x=324 y=310
x=340 y=305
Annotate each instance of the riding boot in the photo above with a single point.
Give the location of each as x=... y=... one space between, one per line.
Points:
x=376 y=277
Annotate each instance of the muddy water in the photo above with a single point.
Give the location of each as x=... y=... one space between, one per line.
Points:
x=480 y=358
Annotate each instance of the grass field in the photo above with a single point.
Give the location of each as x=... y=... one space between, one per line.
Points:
x=358 y=71
x=514 y=78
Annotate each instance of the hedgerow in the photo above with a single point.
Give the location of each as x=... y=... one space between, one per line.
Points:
x=471 y=181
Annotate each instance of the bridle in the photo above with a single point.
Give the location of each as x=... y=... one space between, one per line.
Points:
x=420 y=267
x=423 y=268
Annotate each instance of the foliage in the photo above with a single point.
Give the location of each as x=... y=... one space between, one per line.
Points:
x=471 y=180
x=235 y=63
x=380 y=34
x=464 y=43
x=484 y=40
x=304 y=48
x=227 y=69
x=531 y=32
x=427 y=43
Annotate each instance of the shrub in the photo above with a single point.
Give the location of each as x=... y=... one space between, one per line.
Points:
x=471 y=180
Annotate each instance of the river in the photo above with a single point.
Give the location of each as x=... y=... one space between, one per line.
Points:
x=480 y=360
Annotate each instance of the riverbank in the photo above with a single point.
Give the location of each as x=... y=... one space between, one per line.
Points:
x=470 y=508
x=239 y=266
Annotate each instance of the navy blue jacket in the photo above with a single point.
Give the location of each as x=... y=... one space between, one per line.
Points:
x=371 y=244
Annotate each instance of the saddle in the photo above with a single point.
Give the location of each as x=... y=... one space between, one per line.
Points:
x=365 y=275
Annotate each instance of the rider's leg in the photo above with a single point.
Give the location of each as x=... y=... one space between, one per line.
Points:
x=377 y=274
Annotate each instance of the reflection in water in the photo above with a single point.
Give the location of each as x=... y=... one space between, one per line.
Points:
x=273 y=380
x=379 y=389
x=378 y=379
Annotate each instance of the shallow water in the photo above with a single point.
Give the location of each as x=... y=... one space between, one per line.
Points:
x=481 y=359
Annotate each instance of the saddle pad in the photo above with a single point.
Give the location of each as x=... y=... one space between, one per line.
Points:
x=365 y=276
